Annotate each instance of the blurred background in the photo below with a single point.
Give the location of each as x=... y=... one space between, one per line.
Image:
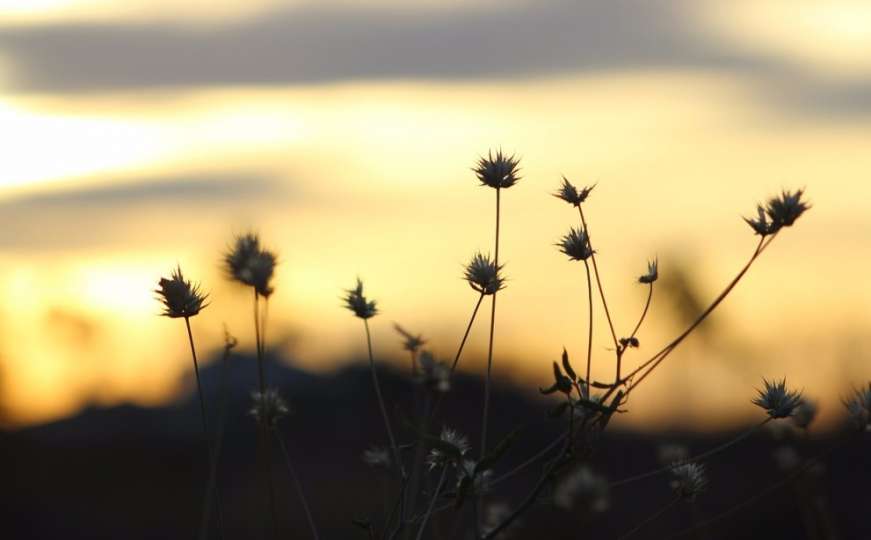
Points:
x=142 y=134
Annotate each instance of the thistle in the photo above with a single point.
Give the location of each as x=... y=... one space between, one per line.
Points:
x=688 y=480
x=785 y=209
x=251 y=265
x=357 y=302
x=499 y=171
x=859 y=408
x=576 y=244
x=484 y=275
x=411 y=343
x=448 y=450
x=435 y=374
x=805 y=413
x=777 y=400
x=268 y=408
x=652 y=272
x=571 y=194
x=760 y=225
x=180 y=297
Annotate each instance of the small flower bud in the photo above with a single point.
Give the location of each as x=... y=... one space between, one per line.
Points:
x=689 y=480
x=571 y=194
x=180 y=298
x=483 y=275
x=777 y=400
x=499 y=171
x=357 y=303
x=576 y=244
x=652 y=272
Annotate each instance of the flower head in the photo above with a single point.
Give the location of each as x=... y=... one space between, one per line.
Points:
x=583 y=487
x=652 y=272
x=377 y=457
x=760 y=225
x=250 y=264
x=571 y=194
x=576 y=244
x=269 y=407
x=688 y=480
x=785 y=209
x=859 y=408
x=804 y=413
x=483 y=275
x=356 y=302
x=449 y=450
x=411 y=343
x=499 y=171
x=180 y=297
x=434 y=374
x=468 y=470
x=777 y=400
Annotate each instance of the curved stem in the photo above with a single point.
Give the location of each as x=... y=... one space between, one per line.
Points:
x=643 y=312
x=432 y=503
x=656 y=515
x=466 y=333
x=381 y=404
x=487 y=380
x=535 y=457
x=297 y=486
x=598 y=279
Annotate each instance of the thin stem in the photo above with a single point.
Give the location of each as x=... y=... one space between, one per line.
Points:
x=206 y=435
x=381 y=404
x=487 y=381
x=538 y=455
x=644 y=312
x=432 y=503
x=590 y=333
x=297 y=485
x=598 y=279
x=656 y=515
x=262 y=434
x=700 y=457
x=260 y=376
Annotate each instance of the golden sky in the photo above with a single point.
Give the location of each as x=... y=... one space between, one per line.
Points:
x=344 y=133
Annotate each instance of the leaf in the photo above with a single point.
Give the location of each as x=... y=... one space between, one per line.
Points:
x=550 y=389
x=567 y=366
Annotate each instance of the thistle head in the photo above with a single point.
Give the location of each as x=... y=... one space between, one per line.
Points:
x=652 y=272
x=777 y=400
x=410 y=342
x=268 y=407
x=805 y=413
x=249 y=264
x=357 y=302
x=479 y=480
x=783 y=210
x=377 y=457
x=499 y=171
x=179 y=296
x=572 y=195
x=435 y=374
x=483 y=275
x=576 y=244
x=859 y=408
x=261 y=267
x=760 y=224
x=449 y=449
x=688 y=480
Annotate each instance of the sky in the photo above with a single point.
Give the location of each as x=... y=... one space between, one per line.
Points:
x=139 y=135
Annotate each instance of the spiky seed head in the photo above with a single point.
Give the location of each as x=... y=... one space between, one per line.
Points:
x=652 y=272
x=776 y=399
x=357 y=302
x=805 y=413
x=456 y=446
x=261 y=267
x=237 y=260
x=859 y=408
x=268 y=407
x=784 y=209
x=483 y=275
x=576 y=244
x=760 y=225
x=688 y=480
x=180 y=297
x=499 y=171
x=410 y=342
x=377 y=457
x=572 y=195
x=435 y=374
x=582 y=488
x=480 y=479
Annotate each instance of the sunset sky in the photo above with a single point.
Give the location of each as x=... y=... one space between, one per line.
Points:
x=140 y=134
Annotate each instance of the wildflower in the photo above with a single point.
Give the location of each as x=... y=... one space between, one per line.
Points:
x=652 y=272
x=859 y=408
x=269 y=407
x=688 y=480
x=261 y=267
x=448 y=450
x=411 y=342
x=582 y=487
x=576 y=244
x=434 y=373
x=777 y=400
x=804 y=413
x=499 y=171
x=356 y=302
x=180 y=297
x=570 y=193
x=760 y=225
x=785 y=209
x=250 y=265
x=377 y=457
x=483 y=275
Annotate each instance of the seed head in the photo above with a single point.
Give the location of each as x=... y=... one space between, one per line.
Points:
x=480 y=479
x=377 y=457
x=483 y=275
x=584 y=488
x=804 y=413
x=571 y=194
x=269 y=407
x=450 y=450
x=688 y=480
x=859 y=408
x=435 y=374
x=356 y=302
x=760 y=225
x=410 y=343
x=652 y=272
x=499 y=171
x=785 y=209
x=576 y=244
x=180 y=297
x=777 y=400
x=250 y=265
